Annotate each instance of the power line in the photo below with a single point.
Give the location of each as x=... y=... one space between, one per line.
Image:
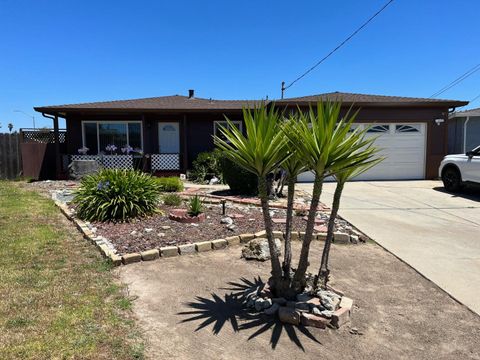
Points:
x=457 y=80
x=475 y=98
x=336 y=48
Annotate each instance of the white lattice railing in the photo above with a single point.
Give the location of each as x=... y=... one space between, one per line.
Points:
x=109 y=161
x=165 y=162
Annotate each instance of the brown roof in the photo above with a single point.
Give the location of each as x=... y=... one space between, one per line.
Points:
x=372 y=100
x=184 y=103
x=175 y=102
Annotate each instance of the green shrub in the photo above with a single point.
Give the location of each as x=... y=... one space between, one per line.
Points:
x=172 y=199
x=206 y=166
x=116 y=195
x=170 y=184
x=239 y=180
x=195 y=206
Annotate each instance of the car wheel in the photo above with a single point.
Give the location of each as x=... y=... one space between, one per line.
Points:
x=451 y=179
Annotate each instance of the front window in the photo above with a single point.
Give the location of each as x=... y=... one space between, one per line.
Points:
x=110 y=137
x=217 y=125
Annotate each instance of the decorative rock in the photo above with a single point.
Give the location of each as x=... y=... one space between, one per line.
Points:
x=203 y=246
x=288 y=315
x=186 y=249
x=346 y=302
x=135 y=233
x=341 y=238
x=165 y=227
x=150 y=255
x=261 y=234
x=219 y=244
x=131 y=258
x=258 y=249
x=313 y=320
x=79 y=168
x=226 y=220
x=322 y=236
x=354 y=239
x=316 y=311
x=116 y=260
x=161 y=234
x=231 y=227
x=301 y=235
x=326 y=313
x=340 y=317
x=246 y=237
x=233 y=240
x=148 y=230
x=277 y=234
x=320 y=228
x=279 y=220
x=168 y=251
x=294 y=235
x=272 y=309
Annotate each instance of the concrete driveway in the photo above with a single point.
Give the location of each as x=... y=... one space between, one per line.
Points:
x=435 y=232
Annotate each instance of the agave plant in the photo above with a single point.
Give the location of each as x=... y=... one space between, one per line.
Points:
x=195 y=206
x=261 y=150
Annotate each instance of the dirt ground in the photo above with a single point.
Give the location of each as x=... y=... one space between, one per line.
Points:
x=185 y=308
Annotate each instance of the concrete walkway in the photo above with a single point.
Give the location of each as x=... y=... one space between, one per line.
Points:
x=435 y=232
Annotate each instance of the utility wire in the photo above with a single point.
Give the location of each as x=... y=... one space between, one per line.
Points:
x=457 y=80
x=338 y=46
x=475 y=98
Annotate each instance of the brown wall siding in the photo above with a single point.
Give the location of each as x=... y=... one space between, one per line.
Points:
x=199 y=129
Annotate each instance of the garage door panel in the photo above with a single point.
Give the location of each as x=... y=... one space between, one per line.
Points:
x=403 y=146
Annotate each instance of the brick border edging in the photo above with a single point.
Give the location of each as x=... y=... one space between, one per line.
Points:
x=108 y=250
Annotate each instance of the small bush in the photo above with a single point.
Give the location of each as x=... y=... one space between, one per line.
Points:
x=238 y=179
x=172 y=199
x=170 y=184
x=195 y=206
x=206 y=166
x=116 y=195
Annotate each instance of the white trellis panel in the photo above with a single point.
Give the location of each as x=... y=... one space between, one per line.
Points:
x=165 y=161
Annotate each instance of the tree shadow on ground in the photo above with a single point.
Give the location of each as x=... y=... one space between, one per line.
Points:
x=231 y=308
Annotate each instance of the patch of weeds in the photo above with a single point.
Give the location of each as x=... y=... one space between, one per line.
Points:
x=124 y=303
x=18 y=322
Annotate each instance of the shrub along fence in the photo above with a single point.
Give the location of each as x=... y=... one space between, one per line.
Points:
x=10 y=156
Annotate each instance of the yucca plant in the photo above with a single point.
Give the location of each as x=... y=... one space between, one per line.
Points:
x=363 y=158
x=195 y=206
x=260 y=151
x=116 y=195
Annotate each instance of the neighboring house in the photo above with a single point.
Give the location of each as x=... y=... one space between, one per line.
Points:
x=173 y=130
x=463 y=131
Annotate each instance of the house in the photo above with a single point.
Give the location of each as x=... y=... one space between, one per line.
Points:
x=463 y=131
x=173 y=130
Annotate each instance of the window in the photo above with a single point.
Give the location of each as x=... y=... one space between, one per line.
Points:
x=407 y=128
x=97 y=135
x=383 y=128
x=217 y=125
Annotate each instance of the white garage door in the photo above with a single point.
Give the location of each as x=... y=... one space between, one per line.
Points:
x=403 y=146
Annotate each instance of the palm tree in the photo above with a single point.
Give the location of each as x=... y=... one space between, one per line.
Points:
x=364 y=158
x=260 y=151
x=10 y=127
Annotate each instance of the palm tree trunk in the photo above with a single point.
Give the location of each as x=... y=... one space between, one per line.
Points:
x=274 y=260
x=298 y=283
x=287 y=260
x=324 y=271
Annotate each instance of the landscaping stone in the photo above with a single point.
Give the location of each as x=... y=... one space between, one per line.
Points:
x=161 y=234
x=219 y=244
x=258 y=249
x=279 y=220
x=233 y=240
x=148 y=230
x=187 y=249
x=226 y=220
x=203 y=246
x=340 y=317
x=301 y=235
x=346 y=302
x=246 y=237
x=354 y=239
x=116 y=260
x=341 y=238
x=169 y=251
x=294 y=235
x=165 y=227
x=322 y=236
x=131 y=258
x=320 y=228
x=150 y=255
x=77 y=169
x=277 y=234
x=261 y=234
x=308 y=319
x=289 y=315
x=231 y=227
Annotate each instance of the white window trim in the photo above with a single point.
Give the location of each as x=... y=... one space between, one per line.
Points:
x=217 y=122
x=111 y=122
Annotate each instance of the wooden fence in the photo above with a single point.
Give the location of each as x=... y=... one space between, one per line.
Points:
x=10 y=156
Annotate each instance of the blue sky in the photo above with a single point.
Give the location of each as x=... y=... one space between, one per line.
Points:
x=56 y=52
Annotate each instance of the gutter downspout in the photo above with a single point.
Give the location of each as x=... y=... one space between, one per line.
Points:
x=56 y=137
x=465 y=134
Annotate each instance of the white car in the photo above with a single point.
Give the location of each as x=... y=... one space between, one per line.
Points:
x=457 y=170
